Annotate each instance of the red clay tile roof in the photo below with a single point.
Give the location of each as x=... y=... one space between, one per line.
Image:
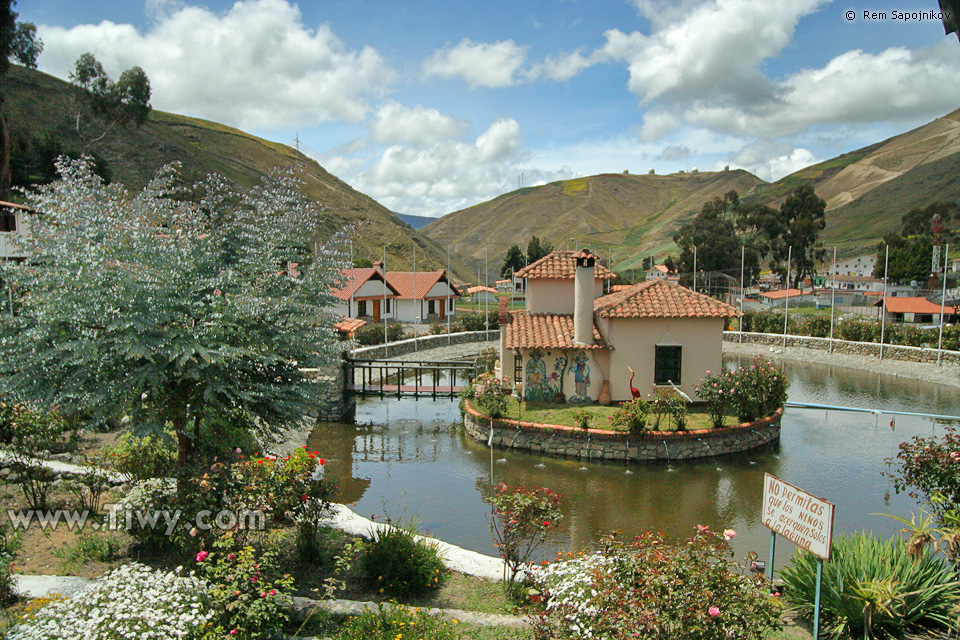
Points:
x=473 y=290
x=895 y=304
x=661 y=299
x=562 y=264
x=353 y=279
x=781 y=293
x=403 y=282
x=527 y=330
x=349 y=325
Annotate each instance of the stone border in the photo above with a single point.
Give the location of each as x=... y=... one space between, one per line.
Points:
x=601 y=444
x=890 y=351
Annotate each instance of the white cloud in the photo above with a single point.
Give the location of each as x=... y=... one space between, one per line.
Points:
x=674 y=153
x=479 y=64
x=715 y=49
x=771 y=160
x=419 y=126
x=254 y=66
x=854 y=87
x=446 y=175
x=564 y=67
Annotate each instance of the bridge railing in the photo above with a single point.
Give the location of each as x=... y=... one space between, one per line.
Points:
x=381 y=377
x=403 y=347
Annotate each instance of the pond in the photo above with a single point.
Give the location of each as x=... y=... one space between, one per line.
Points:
x=410 y=458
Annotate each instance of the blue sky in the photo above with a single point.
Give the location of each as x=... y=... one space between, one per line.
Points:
x=430 y=107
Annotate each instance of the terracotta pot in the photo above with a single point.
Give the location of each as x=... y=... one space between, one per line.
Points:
x=604 y=398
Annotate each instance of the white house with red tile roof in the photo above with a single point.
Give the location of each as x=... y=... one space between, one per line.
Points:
x=914 y=310
x=423 y=295
x=365 y=294
x=657 y=272
x=406 y=296
x=583 y=344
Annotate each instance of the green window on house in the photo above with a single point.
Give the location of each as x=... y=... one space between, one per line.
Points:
x=666 y=367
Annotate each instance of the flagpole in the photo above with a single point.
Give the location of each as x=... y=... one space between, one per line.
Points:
x=418 y=309
x=786 y=301
x=943 y=301
x=743 y=253
x=883 y=302
x=833 y=296
x=384 y=265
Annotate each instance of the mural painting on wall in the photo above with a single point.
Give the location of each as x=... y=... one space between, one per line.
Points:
x=537 y=387
x=559 y=369
x=581 y=378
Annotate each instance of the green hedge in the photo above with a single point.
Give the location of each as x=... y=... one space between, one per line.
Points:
x=853 y=330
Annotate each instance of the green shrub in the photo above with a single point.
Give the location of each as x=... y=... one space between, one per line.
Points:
x=91 y=547
x=631 y=416
x=653 y=590
x=399 y=564
x=10 y=542
x=249 y=596
x=928 y=469
x=920 y=592
x=491 y=396
x=34 y=434
x=522 y=518
x=371 y=334
x=141 y=458
x=390 y=622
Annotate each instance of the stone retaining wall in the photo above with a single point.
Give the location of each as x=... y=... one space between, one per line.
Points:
x=335 y=404
x=403 y=347
x=890 y=351
x=598 y=444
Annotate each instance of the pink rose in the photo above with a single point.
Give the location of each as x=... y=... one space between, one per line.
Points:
x=729 y=534
x=713 y=611
x=202 y=556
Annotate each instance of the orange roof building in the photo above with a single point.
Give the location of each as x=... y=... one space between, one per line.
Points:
x=913 y=310
x=581 y=345
x=374 y=294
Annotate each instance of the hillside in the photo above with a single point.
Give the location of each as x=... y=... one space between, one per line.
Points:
x=41 y=107
x=867 y=191
x=634 y=214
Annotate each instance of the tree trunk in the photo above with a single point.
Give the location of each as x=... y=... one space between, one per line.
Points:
x=4 y=154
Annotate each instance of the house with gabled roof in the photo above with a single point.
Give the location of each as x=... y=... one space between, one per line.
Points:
x=581 y=345
x=366 y=294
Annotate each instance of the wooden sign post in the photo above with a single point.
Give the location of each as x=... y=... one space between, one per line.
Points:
x=801 y=518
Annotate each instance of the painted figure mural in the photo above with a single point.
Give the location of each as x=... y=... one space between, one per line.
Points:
x=581 y=378
x=537 y=388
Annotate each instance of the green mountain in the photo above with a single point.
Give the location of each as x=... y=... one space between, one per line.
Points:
x=867 y=191
x=631 y=215
x=42 y=110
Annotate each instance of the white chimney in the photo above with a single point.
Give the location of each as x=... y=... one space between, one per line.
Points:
x=583 y=297
x=378 y=267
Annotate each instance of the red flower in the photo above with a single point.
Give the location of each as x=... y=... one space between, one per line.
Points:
x=202 y=556
x=305 y=497
x=546 y=524
x=322 y=462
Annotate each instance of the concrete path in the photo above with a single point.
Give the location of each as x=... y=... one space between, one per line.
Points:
x=39 y=586
x=65 y=467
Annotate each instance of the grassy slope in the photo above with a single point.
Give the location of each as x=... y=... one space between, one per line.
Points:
x=868 y=190
x=636 y=214
x=39 y=105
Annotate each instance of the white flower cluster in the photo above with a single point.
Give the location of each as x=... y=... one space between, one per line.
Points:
x=133 y=601
x=148 y=494
x=568 y=585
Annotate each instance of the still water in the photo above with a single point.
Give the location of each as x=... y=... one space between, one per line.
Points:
x=408 y=457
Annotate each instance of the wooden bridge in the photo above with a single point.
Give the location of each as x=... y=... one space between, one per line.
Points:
x=438 y=379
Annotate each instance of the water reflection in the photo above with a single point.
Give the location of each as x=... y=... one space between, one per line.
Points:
x=409 y=456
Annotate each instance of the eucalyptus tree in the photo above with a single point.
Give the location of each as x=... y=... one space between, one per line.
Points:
x=173 y=305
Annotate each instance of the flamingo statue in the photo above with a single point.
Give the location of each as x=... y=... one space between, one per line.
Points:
x=633 y=390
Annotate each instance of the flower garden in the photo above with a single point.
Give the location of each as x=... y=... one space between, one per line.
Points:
x=249 y=578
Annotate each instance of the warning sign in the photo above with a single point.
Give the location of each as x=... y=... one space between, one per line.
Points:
x=801 y=518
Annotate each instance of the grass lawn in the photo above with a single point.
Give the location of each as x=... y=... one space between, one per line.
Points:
x=549 y=413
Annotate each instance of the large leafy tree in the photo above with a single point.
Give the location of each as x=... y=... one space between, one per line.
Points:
x=714 y=234
x=171 y=305
x=911 y=250
x=794 y=233
x=512 y=262
x=537 y=249
x=115 y=103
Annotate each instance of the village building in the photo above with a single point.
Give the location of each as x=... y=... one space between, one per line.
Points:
x=366 y=294
x=914 y=310
x=483 y=294
x=573 y=342
x=657 y=272
x=13 y=222
x=857 y=266
x=504 y=286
